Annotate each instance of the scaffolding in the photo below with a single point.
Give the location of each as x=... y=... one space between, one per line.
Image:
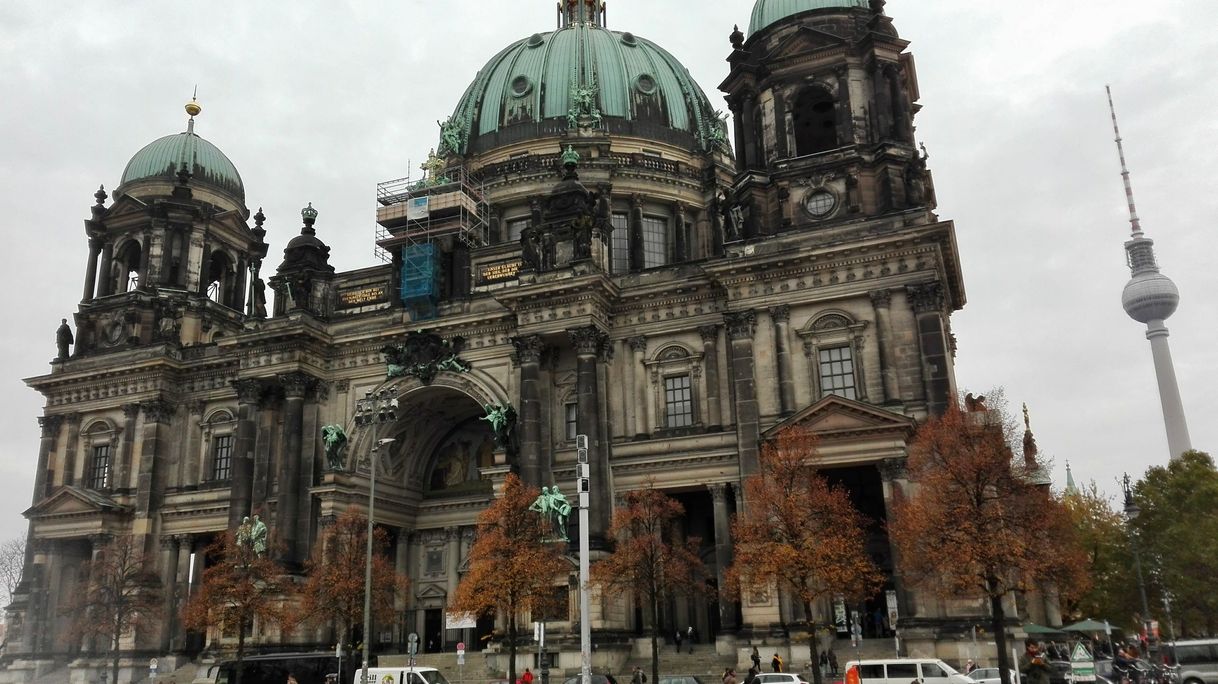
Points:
x=414 y=215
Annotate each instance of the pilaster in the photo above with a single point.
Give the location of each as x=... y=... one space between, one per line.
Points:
x=741 y=327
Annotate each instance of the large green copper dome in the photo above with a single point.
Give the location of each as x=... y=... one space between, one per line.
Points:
x=526 y=91
x=163 y=158
x=767 y=12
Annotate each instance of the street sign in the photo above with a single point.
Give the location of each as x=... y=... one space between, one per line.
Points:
x=893 y=612
x=412 y=644
x=460 y=647
x=1082 y=665
x=153 y=663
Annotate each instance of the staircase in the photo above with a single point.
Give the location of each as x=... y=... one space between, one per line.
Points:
x=703 y=662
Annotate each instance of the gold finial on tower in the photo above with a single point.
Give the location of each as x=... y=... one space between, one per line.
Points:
x=193 y=107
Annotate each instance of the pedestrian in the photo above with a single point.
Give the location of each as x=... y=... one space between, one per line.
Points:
x=292 y=679
x=690 y=635
x=752 y=674
x=1033 y=665
x=878 y=618
x=969 y=666
x=776 y=663
x=756 y=658
x=832 y=662
x=678 y=640
x=638 y=677
x=729 y=677
x=824 y=662
x=527 y=677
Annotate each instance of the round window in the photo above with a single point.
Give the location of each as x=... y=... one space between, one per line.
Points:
x=521 y=86
x=645 y=84
x=820 y=203
x=629 y=39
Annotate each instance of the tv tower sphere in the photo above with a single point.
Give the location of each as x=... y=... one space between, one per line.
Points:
x=1150 y=296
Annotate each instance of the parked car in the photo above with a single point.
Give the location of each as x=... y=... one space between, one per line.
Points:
x=991 y=675
x=596 y=679
x=1198 y=660
x=780 y=678
x=906 y=670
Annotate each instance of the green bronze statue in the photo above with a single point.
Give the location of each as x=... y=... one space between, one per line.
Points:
x=335 y=440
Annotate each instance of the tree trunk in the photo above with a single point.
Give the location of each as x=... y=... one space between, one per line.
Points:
x=817 y=677
x=655 y=635
x=114 y=662
x=511 y=645
x=240 y=652
x=998 y=625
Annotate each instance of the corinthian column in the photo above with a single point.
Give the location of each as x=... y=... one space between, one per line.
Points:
x=242 y=492
x=741 y=327
x=528 y=352
x=927 y=301
x=781 y=317
x=588 y=342
x=638 y=346
x=710 y=357
x=881 y=300
x=294 y=387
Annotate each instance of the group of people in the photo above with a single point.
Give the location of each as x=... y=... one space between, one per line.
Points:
x=689 y=636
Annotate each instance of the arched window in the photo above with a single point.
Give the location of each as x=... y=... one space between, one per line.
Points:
x=833 y=345
x=219 y=440
x=220 y=277
x=815 y=119
x=125 y=269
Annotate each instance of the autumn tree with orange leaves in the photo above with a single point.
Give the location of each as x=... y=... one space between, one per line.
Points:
x=122 y=594
x=982 y=521
x=333 y=592
x=647 y=562
x=799 y=533
x=239 y=587
x=512 y=568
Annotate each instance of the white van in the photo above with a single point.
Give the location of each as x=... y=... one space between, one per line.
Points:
x=400 y=675
x=906 y=671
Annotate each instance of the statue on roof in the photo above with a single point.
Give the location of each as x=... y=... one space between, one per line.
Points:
x=452 y=137
x=63 y=338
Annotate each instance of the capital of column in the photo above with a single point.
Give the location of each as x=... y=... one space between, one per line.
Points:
x=926 y=298
x=529 y=348
x=131 y=411
x=452 y=534
x=157 y=410
x=295 y=385
x=718 y=492
x=169 y=542
x=587 y=340
x=881 y=299
x=781 y=313
x=343 y=385
x=638 y=344
x=50 y=425
x=99 y=540
x=248 y=390
x=636 y=201
x=741 y=324
x=709 y=333
x=893 y=469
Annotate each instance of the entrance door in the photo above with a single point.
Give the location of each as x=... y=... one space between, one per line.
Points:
x=433 y=634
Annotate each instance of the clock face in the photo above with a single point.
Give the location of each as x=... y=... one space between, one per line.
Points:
x=820 y=203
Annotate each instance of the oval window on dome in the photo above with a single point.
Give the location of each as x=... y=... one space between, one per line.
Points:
x=645 y=84
x=629 y=39
x=535 y=40
x=521 y=86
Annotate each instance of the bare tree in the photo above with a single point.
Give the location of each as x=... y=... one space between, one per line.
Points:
x=12 y=562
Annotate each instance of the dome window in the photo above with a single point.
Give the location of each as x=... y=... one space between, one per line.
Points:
x=820 y=203
x=629 y=39
x=535 y=40
x=645 y=84
x=521 y=86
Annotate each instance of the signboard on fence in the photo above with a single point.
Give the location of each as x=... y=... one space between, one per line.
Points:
x=454 y=620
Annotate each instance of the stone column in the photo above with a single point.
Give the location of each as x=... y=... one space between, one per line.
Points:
x=106 y=286
x=781 y=318
x=881 y=301
x=588 y=342
x=748 y=111
x=294 y=387
x=845 y=113
x=895 y=477
x=723 y=553
x=637 y=260
x=122 y=471
x=46 y=447
x=927 y=301
x=710 y=358
x=70 y=448
x=528 y=352
x=680 y=238
x=149 y=489
x=310 y=450
x=188 y=468
x=452 y=558
x=240 y=499
x=268 y=445
x=146 y=261
x=741 y=326
x=784 y=147
x=738 y=126
x=883 y=102
x=95 y=245
x=181 y=593
x=638 y=345
x=169 y=582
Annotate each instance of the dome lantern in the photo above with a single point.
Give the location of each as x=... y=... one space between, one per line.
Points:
x=165 y=159
x=769 y=12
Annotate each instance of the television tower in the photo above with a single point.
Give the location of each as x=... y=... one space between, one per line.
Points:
x=1150 y=298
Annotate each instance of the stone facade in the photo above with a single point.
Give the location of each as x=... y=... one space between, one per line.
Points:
x=675 y=303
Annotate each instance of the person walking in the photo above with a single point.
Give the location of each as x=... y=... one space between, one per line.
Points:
x=678 y=640
x=752 y=674
x=776 y=664
x=527 y=677
x=729 y=676
x=1032 y=664
x=638 y=677
x=756 y=658
x=832 y=663
x=690 y=634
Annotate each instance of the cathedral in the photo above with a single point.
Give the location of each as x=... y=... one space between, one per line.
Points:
x=591 y=249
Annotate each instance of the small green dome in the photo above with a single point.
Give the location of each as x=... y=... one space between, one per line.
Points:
x=767 y=12
x=526 y=90
x=163 y=158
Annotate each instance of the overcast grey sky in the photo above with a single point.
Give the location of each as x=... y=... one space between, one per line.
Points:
x=318 y=101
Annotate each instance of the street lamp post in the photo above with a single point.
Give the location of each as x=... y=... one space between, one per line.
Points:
x=1131 y=514
x=373 y=411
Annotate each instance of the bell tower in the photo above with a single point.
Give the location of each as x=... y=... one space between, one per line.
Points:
x=172 y=259
x=823 y=96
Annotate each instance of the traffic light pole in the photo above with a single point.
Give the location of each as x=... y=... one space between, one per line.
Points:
x=585 y=626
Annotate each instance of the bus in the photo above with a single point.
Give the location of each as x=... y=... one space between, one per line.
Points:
x=274 y=668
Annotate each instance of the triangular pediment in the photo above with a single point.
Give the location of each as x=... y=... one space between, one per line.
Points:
x=72 y=501
x=838 y=417
x=804 y=42
x=125 y=205
x=431 y=591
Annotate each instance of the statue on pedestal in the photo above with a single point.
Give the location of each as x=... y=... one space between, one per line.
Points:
x=63 y=338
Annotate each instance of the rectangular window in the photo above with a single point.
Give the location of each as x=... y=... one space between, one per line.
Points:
x=903 y=672
x=678 y=402
x=620 y=247
x=99 y=469
x=655 y=241
x=222 y=457
x=571 y=414
x=837 y=372
x=516 y=228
